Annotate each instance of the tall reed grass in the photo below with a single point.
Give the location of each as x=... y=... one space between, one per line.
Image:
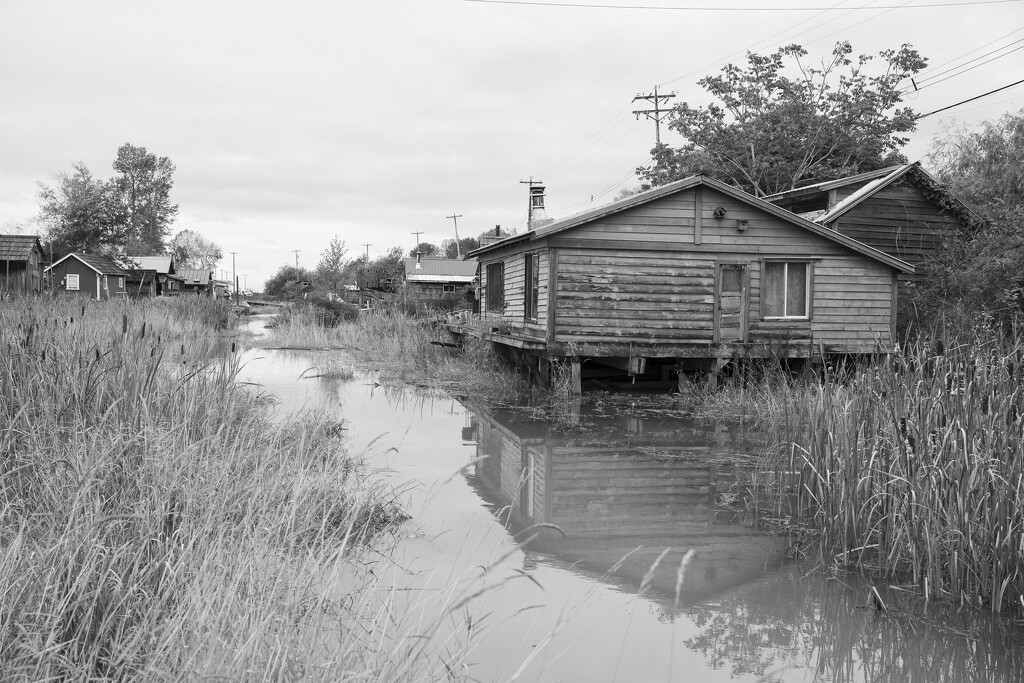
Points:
x=157 y=524
x=403 y=349
x=913 y=469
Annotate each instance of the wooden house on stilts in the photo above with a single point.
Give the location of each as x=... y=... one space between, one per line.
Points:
x=680 y=278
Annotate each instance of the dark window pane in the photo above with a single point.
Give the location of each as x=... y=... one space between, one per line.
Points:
x=731 y=280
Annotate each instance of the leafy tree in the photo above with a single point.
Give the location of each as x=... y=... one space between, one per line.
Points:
x=466 y=244
x=144 y=181
x=279 y=282
x=384 y=273
x=330 y=272
x=424 y=249
x=771 y=131
x=81 y=213
x=192 y=250
x=984 y=273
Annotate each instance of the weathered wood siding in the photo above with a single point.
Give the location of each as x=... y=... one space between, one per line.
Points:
x=900 y=221
x=514 y=311
x=622 y=492
x=644 y=275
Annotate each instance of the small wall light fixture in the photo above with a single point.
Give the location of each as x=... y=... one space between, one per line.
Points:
x=742 y=225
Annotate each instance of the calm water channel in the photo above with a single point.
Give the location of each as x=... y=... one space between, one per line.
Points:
x=590 y=600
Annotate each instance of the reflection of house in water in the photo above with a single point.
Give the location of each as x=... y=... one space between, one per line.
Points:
x=636 y=483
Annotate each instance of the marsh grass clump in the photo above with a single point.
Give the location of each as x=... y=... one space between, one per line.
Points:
x=913 y=469
x=398 y=348
x=157 y=522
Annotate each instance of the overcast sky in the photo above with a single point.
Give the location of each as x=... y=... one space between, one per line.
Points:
x=292 y=122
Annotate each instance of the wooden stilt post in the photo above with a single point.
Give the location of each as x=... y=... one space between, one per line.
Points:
x=576 y=384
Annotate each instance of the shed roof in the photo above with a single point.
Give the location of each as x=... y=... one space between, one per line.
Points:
x=103 y=265
x=17 y=247
x=162 y=264
x=919 y=177
x=194 y=276
x=686 y=184
x=440 y=270
x=827 y=185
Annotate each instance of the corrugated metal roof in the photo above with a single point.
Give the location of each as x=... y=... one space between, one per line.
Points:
x=194 y=276
x=161 y=264
x=16 y=247
x=440 y=270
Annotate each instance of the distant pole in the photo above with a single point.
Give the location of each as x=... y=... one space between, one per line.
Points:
x=296 y=251
x=367 y=245
x=418 y=241
x=656 y=114
x=234 y=278
x=455 y=217
x=529 y=207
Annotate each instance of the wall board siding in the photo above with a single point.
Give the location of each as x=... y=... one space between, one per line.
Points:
x=639 y=276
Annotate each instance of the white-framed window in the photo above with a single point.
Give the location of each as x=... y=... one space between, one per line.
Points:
x=786 y=289
x=448 y=289
x=120 y=283
x=71 y=282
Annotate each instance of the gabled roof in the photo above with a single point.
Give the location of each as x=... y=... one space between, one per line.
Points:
x=686 y=184
x=440 y=270
x=920 y=177
x=17 y=247
x=101 y=264
x=194 y=276
x=161 y=264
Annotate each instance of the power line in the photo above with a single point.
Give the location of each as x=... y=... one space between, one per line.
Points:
x=756 y=8
x=942 y=80
x=978 y=97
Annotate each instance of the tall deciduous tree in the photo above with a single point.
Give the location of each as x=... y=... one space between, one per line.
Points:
x=466 y=245
x=192 y=250
x=81 y=213
x=424 y=249
x=384 y=273
x=144 y=181
x=329 y=274
x=985 y=273
x=780 y=123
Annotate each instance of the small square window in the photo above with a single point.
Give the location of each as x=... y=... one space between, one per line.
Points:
x=448 y=289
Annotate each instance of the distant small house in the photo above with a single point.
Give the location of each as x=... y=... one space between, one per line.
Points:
x=900 y=210
x=435 y=280
x=21 y=263
x=153 y=276
x=89 y=274
x=196 y=281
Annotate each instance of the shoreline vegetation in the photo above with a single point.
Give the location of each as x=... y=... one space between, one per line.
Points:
x=158 y=523
x=909 y=469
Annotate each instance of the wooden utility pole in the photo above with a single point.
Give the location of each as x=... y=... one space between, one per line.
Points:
x=529 y=199
x=455 y=217
x=234 y=278
x=418 y=233
x=656 y=114
x=367 y=245
x=296 y=252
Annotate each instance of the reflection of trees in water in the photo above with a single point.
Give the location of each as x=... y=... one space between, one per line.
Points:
x=823 y=626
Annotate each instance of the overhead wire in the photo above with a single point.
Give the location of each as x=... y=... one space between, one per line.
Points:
x=719 y=8
x=971 y=99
